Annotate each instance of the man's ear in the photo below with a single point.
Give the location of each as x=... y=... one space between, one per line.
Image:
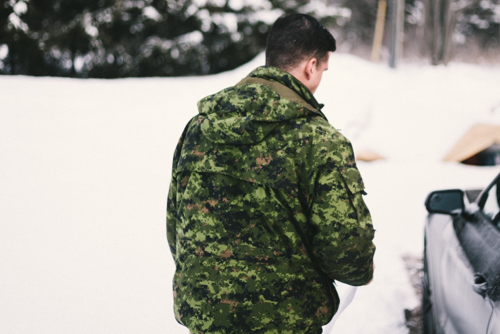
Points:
x=310 y=68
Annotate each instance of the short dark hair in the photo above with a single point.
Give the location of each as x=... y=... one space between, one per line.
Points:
x=295 y=38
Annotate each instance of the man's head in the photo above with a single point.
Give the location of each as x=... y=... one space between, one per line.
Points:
x=300 y=45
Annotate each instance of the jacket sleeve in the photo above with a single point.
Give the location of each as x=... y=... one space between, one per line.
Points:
x=172 y=213
x=172 y=208
x=342 y=243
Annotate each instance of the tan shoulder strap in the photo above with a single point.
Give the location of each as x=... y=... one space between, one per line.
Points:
x=281 y=89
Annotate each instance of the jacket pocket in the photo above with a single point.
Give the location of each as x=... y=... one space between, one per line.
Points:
x=353 y=179
x=355 y=189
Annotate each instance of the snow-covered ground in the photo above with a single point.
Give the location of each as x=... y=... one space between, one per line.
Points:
x=86 y=166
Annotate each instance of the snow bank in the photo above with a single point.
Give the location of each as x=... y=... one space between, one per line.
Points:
x=86 y=167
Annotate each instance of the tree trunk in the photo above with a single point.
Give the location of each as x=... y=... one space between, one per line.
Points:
x=440 y=20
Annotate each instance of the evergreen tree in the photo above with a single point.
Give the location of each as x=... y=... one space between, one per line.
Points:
x=482 y=23
x=110 y=39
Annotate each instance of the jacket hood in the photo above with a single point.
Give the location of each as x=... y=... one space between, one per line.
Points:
x=249 y=111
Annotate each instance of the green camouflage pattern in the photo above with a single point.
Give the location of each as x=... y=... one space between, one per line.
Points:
x=264 y=212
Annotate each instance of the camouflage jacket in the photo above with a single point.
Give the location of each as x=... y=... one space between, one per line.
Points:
x=264 y=212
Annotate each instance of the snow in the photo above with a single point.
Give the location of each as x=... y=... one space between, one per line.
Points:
x=20 y=8
x=17 y=22
x=195 y=37
x=4 y=51
x=229 y=20
x=236 y=4
x=321 y=9
x=89 y=28
x=86 y=166
x=152 y=13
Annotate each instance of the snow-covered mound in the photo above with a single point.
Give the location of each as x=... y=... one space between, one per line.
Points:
x=86 y=166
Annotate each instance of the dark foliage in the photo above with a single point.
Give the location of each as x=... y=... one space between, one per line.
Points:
x=138 y=38
x=111 y=39
x=481 y=22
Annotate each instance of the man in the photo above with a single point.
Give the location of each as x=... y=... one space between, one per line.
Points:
x=265 y=208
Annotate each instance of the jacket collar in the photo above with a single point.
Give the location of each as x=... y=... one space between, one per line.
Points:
x=275 y=74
